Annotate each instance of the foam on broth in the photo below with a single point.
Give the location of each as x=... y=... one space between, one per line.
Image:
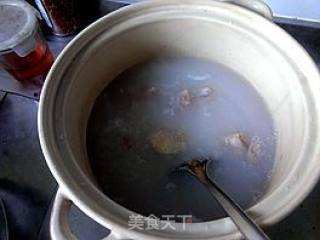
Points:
x=160 y=113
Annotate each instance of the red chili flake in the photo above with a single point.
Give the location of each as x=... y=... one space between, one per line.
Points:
x=62 y=16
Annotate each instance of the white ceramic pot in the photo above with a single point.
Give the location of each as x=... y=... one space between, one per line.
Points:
x=265 y=55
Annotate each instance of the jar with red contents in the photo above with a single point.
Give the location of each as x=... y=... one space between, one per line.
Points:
x=24 y=52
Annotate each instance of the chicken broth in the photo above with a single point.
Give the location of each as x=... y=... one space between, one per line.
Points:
x=160 y=113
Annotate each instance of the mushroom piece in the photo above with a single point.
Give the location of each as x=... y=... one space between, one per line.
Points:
x=168 y=141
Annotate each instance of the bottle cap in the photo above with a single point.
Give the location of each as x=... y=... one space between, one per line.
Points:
x=18 y=27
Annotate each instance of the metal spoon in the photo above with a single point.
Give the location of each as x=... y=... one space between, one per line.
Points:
x=249 y=229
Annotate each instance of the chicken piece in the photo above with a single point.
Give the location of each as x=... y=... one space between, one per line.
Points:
x=254 y=148
x=238 y=140
x=243 y=143
x=168 y=141
x=205 y=92
x=184 y=98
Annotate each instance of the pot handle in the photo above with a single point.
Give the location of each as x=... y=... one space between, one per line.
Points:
x=59 y=221
x=257 y=6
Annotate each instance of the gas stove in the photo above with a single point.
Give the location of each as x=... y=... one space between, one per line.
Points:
x=27 y=186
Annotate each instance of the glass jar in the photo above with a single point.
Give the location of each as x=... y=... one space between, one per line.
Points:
x=61 y=16
x=24 y=52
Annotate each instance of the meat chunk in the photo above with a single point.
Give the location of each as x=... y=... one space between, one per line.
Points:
x=205 y=92
x=184 y=98
x=241 y=142
x=238 y=140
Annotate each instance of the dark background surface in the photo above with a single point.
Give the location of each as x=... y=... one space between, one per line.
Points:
x=27 y=186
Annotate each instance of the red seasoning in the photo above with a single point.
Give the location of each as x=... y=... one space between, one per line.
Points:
x=23 y=51
x=61 y=16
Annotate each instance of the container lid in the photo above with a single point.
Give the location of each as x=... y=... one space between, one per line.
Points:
x=18 y=22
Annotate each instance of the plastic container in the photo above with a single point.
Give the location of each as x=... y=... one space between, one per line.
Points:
x=24 y=52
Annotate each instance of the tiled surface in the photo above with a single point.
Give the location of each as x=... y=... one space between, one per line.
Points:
x=298 y=10
x=301 y=12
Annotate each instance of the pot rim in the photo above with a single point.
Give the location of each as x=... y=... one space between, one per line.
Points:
x=46 y=127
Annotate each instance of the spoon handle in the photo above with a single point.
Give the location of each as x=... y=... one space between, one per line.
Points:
x=245 y=224
x=4 y=231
